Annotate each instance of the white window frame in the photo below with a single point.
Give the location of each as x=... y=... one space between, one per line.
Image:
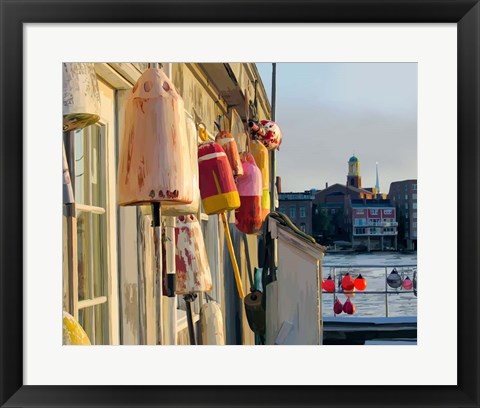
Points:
x=107 y=122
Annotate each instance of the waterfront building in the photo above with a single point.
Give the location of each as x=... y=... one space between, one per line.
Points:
x=374 y=224
x=299 y=207
x=403 y=195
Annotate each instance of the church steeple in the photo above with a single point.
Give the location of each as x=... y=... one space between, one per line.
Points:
x=353 y=178
x=377 y=184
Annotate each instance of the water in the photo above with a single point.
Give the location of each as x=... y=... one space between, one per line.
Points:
x=372 y=305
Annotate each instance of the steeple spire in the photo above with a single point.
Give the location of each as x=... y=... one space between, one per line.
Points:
x=377 y=184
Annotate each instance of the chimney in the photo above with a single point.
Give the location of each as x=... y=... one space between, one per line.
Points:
x=278 y=184
x=326 y=184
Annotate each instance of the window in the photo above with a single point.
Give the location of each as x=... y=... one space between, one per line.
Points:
x=414 y=225
x=293 y=212
x=406 y=206
x=91 y=232
x=415 y=215
x=374 y=212
x=406 y=216
x=414 y=187
x=414 y=196
x=406 y=234
x=302 y=212
x=303 y=227
x=360 y=231
x=281 y=209
x=414 y=205
x=406 y=196
x=360 y=221
x=405 y=187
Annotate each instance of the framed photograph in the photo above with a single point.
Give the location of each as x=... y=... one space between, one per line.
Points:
x=243 y=189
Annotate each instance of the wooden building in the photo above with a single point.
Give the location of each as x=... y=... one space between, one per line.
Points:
x=112 y=249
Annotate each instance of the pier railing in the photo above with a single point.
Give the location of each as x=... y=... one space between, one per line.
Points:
x=386 y=291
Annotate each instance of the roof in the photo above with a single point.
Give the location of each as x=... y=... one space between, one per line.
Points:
x=371 y=203
x=353 y=159
x=297 y=196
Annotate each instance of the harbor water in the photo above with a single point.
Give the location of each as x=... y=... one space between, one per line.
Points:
x=372 y=267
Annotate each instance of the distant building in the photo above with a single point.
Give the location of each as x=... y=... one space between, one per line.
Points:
x=334 y=201
x=374 y=224
x=403 y=195
x=298 y=206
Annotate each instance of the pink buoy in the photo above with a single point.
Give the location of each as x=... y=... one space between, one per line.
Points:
x=407 y=284
x=248 y=217
x=228 y=144
x=191 y=262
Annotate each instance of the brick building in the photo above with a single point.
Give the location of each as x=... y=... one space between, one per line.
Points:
x=298 y=206
x=374 y=224
x=403 y=195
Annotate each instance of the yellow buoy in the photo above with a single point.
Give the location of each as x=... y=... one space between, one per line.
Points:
x=73 y=333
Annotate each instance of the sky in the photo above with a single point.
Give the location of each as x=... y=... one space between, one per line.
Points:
x=329 y=111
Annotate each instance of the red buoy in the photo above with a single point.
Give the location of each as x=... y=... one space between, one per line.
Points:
x=347 y=283
x=217 y=187
x=248 y=218
x=329 y=285
x=349 y=307
x=360 y=282
x=228 y=144
x=337 y=307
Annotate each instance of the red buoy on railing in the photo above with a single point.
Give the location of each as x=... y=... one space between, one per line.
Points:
x=349 y=307
x=347 y=283
x=328 y=285
x=337 y=307
x=360 y=282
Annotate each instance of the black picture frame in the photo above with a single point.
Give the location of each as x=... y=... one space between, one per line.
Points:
x=14 y=13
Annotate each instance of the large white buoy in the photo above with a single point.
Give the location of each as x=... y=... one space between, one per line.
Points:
x=211 y=324
x=154 y=165
x=81 y=97
x=174 y=209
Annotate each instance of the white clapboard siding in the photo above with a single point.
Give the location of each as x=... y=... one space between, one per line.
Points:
x=297 y=319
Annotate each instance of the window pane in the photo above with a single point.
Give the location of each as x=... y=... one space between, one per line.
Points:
x=90 y=190
x=292 y=212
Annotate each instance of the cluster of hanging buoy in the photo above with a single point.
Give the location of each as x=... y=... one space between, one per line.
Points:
x=395 y=281
x=348 y=307
x=349 y=286
x=230 y=180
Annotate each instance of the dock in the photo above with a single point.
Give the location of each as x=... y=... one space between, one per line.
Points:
x=362 y=330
